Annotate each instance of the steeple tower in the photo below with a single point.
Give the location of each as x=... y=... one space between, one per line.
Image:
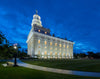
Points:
x=42 y=45
x=36 y=20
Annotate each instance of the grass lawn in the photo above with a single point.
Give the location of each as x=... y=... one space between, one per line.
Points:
x=26 y=73
x=81 y=65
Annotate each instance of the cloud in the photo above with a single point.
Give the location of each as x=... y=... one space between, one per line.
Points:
x=79 y=21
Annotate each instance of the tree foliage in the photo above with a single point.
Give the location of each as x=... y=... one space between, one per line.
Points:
x=90 y=55
x=7 y=51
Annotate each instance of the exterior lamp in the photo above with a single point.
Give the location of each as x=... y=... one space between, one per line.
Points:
x=15 y=47
x=15 y=55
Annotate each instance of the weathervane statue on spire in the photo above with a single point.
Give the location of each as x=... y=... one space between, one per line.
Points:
x=36 y=11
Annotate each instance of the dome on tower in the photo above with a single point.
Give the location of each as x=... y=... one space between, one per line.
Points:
x=36 y=20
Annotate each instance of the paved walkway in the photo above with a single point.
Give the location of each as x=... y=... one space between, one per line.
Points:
x=61 y=71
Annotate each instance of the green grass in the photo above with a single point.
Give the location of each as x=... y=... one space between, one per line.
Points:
x=80 y=65
x=26 y=73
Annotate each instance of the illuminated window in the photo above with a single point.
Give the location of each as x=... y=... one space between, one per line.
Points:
x=50 y=53
x=39 y=52
x=38 y=30
x=50 y=43
x=45 y=32
x=67 y=46
x=39 y=47
x=45 y=52
x=39 y=41
x=45 y=42
x=51 y=48
x=60 y=53
x=55 y=44
x=45 y=47
x=55 y=53
x=64 y=54
x=67 y=54
x=59 y=45
x=64 y=46
x=55 y=48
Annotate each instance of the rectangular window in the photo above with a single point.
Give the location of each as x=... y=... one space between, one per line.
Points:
x=39 y=47
x=59 y=45
x=45 y=32
x=55 y=53
x=50 y=43
x=50 y=53
x=51 y=48
x=45 y=42
x=64 y=46
x=45 y=47
x=55 y=48
x=67 y=46
x=64 y=54
x=45 y=52
x=39 y=52
x=55 y=44
x=60 y=53
x=38 y=30
x=38 y=41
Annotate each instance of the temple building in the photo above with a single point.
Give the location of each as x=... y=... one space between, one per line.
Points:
x=42 y=45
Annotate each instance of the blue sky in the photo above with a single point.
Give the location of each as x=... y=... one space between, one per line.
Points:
x=77 y=20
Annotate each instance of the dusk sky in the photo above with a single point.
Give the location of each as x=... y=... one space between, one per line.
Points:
x=77 y=20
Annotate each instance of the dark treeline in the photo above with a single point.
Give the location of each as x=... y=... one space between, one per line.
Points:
x=88 y=55
x=7 y=50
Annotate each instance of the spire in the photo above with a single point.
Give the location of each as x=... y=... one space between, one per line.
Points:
x=36 y=19
x=36 y=11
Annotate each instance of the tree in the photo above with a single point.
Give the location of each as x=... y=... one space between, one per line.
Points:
x=65 y=38
x=75 y=55
x=53 y=35
x=8 y=51
x=97 y=55
x=1 y=38
x=94 y=55
x=90 y=54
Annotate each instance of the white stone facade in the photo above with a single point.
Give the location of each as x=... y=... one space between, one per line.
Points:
x=42 y=45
